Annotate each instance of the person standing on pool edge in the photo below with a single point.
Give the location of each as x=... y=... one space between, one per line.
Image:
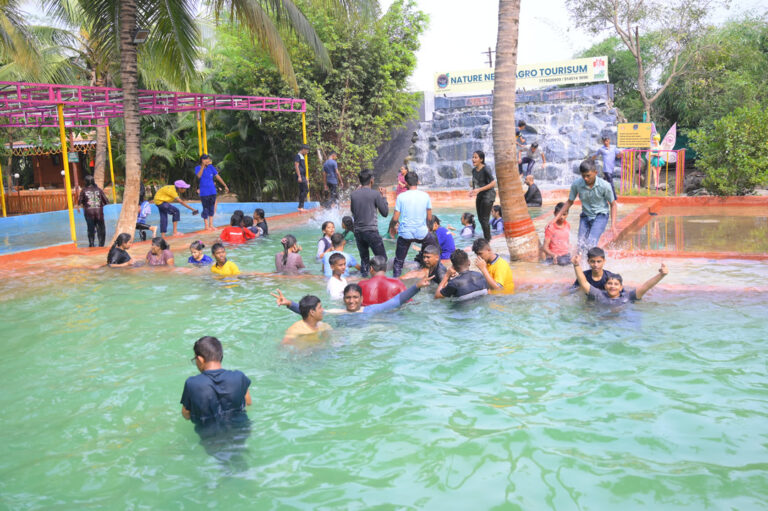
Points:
x=93 y=200
x=332 y=177
x=163 y=198
x=206 y=172
x=596 y=199
x=300 y=165
x=483 y=184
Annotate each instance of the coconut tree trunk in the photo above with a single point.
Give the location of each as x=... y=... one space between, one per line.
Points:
x=100 y=164
x=130 y=76
x=522 y=240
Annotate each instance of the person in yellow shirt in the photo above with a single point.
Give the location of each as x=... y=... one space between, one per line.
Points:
x=494 y=268
x=222 y=266
x=163 y=198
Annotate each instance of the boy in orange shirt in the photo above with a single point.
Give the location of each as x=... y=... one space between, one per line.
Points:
x=557 y=239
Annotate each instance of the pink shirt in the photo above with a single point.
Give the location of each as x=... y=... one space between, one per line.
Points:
x=401 y=185
x=160 y=259
x=560 y=238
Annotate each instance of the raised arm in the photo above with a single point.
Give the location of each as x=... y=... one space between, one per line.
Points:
x=580 y=277
x=448 y=274
x=283 y=301
x=663 y=272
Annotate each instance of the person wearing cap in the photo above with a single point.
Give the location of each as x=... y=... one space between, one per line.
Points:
x=206 y=172
x=300 y=164
x=163 y=198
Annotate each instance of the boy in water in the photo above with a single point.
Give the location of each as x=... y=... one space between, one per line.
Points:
x=311 y=323
x=222 y=266
x=614 y=292
x=337 y=263
x=433 y=267
x=459 y=281
x=338 y=243
x=216 y=397
x=557 y=238
x=597 y=276
x=494 y=268
x=380 y=288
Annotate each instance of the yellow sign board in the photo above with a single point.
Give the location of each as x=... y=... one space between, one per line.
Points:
x=634 y=135
x=531 y=76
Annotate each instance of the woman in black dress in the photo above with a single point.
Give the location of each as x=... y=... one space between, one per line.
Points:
x=484 y=187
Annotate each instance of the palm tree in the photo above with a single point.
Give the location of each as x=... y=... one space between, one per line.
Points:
x=522 y=240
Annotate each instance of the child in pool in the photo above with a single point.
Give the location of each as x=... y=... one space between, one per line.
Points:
x=216 y=396
x=495 y=269
x=324 y=244
x=614 y=292
x=336 y=284
x=236 y=233
x=247 y=224
x=349 y=228
x=159 y=253
x=289 y=259
x=118 y=256
x=597 y=276
x=497 y=223
x=468 y=221
x=311 y=322
x=260 y=221
x=557 y=236
x=444 y=238
x=198 y=258
x=222 y=265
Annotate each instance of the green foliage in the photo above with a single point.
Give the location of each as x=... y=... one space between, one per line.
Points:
x=733 y=152
x=727 y=72
x=351 y=108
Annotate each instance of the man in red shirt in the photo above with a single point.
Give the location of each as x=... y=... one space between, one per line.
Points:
x=235 y=233
x=380 y=288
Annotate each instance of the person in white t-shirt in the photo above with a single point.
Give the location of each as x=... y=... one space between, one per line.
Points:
x=336 y=284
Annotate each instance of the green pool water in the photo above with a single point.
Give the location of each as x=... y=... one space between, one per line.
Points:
x=530 y=401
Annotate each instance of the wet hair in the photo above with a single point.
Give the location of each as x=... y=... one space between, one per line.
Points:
x=479 y=245
x=204 y=157
x=432 y=221
x=348 y=224
x=288 y=243
x=587 y=166
x=379 y=263
x=259 y=212
x=470 y=218
x=521 y=124
x=365 y=177
x=325 y=224
x=459 y=259
x=432 y=249
x=480 y=154
x=412 y=179
x=197 y=245
x=497 y=209
x=595 y=252
x=217 y=246
x=352 y=287
x=307 y=305
x=239 y=212
x=235 y=220
x=335 y=258
x=209 y=348
x=122 y=239
x=337 y=239
x=247 y=221
x=89 y=181
x=559 y=206
x=160 y=242
x=615 y=276
x=535 y=144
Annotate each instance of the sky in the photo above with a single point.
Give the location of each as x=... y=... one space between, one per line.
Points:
x=460 y=30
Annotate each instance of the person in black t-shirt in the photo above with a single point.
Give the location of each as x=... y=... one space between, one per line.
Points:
x=597 y=276
x=532 y=194
x=300 y=165
x=432 y=266
x=459 y=282
x=260 y=221
x=93 y=200
x=118 y=256
x=483 y=186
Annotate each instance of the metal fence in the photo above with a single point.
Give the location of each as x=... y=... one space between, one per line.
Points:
x=636 y=167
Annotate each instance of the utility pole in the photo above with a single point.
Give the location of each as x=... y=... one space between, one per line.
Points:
x=489 y=53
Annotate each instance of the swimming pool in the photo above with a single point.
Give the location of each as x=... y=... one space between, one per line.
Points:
x=530 y=401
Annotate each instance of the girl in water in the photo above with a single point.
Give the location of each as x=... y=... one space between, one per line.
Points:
x=289 y=259
x=483 y=184
x=159 y=253
x=468 y=221
x=198 y=258
x=118 y=256
x=349 y=228
x=497 y=223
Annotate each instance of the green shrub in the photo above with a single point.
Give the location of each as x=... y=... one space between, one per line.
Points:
x=733 y=153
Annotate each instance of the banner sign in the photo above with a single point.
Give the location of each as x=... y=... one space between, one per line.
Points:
x=532 y=76
x=634 y=135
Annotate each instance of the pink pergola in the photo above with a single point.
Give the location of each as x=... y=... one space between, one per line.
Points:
x=33 y=105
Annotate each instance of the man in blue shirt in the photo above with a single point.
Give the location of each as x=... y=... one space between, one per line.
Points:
x=596 y=198
x=206 y=172
x=413 y=209
x=332 y=177
x=609 y=155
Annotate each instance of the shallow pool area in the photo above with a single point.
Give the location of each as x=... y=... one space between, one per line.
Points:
x=531 y=401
